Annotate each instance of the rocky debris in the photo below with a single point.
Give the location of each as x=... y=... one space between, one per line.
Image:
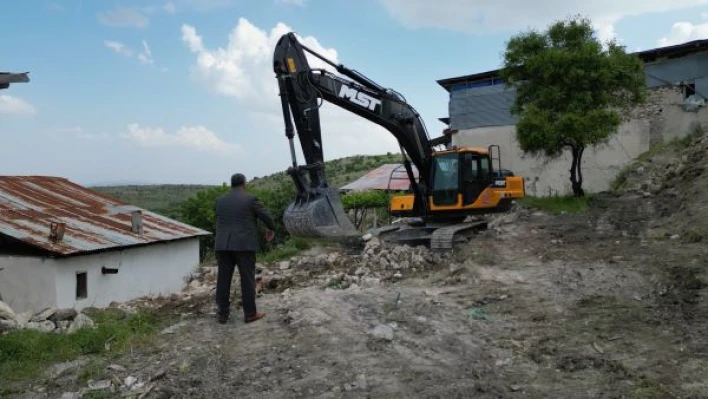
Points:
x=383 y=332
x=46 y=320
x=377 y=263
x=6 y=312
x=671 y=184
x=174 y=328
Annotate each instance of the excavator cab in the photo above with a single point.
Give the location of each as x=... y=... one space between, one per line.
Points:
x=463 y=182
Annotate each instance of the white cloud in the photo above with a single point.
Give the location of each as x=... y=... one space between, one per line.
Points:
x=189 y=35
x=485 y=16
x=194 y=137
x=124 y=18
x=118 y=47
x=243 y=70
x=10 y=105
x=146 y=56
x=682 y=32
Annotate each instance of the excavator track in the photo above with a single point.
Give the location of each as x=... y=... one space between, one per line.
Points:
x=435 y=236
x=444 y=237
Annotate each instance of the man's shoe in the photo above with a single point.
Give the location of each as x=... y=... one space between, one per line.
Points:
x=254 y=317
x=222 y=319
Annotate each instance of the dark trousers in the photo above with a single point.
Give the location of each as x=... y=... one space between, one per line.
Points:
x=246 y=262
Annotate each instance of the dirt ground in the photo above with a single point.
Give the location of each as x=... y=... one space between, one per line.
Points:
x=591 y=305
x=545 y=306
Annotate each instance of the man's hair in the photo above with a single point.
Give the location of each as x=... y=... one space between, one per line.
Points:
x=238 y=179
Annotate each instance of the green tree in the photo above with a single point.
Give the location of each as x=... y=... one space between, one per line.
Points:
x=571 y=93
x=198 y=211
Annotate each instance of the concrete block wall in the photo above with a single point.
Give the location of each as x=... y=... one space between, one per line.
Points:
x=665 y=116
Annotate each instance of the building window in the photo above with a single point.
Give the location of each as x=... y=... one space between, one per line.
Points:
x=81 y=286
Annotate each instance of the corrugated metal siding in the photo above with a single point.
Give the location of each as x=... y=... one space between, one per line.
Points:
x=483 y=106
x=478 y=105
x=29 y=205
x=673 y=71
x=702 y=87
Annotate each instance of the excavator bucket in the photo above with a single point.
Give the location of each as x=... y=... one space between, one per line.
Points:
x=323 y=216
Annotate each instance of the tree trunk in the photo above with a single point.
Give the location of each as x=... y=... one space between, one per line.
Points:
x=576 y=173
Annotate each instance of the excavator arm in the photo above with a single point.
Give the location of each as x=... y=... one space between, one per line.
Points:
x=317 y=210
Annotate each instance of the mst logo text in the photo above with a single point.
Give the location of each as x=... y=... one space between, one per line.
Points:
x=359 y=98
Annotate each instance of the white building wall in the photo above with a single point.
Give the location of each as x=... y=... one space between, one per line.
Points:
x=27 y=282
x=660 y=120
x=31 y=283
x=154 y=269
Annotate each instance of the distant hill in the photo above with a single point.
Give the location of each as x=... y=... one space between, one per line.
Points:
x=340 y=171
x=166 y=199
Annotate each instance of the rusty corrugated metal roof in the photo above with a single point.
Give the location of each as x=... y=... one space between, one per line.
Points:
x=29 y=205
x=390 y=176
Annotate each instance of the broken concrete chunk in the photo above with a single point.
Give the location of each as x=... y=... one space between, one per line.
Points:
x=43 y=326
x=100 y=384
x=81 y=321
x=130 y=381
x=173 y=328
x=7 y=325
x=43 y=314
x=383 y=331
x=63 y=315
x=6 y=312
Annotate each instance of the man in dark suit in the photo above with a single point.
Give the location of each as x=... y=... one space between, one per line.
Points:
x=236 y=243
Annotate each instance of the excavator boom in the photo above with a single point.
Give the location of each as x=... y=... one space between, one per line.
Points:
x=317 y=209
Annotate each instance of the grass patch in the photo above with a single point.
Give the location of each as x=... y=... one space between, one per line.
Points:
x=648 y=389
x=24 y=354
x=558 y=204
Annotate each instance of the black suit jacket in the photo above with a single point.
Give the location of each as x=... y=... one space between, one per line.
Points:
x=237 y=214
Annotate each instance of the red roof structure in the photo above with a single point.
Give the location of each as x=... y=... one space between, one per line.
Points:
x=63 y=218
x=390 y=176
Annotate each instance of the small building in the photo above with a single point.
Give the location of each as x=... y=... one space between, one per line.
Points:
x=479 y=115
x=65 y=246
x=390 y=177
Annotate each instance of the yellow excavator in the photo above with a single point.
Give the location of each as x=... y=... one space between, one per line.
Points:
x=452 y=183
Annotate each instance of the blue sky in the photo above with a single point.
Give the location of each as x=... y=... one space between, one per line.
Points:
x=182 y=91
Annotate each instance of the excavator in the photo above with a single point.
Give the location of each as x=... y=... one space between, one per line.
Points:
x=453 y=183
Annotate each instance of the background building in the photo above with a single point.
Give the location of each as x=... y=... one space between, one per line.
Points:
x=65 y=246
x=677 y=76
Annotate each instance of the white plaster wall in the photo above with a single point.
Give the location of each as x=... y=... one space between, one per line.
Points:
x=661 y=120
x=154 y=269
x=27 y=282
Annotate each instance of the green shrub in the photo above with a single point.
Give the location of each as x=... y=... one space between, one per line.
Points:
x=24 y=353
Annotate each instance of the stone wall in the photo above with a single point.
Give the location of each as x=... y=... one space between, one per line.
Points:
x=665 y=116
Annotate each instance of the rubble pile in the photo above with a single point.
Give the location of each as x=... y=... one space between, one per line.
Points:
x=379 y=262
x=668 y=170
x=672 y=183
x=47 y=320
